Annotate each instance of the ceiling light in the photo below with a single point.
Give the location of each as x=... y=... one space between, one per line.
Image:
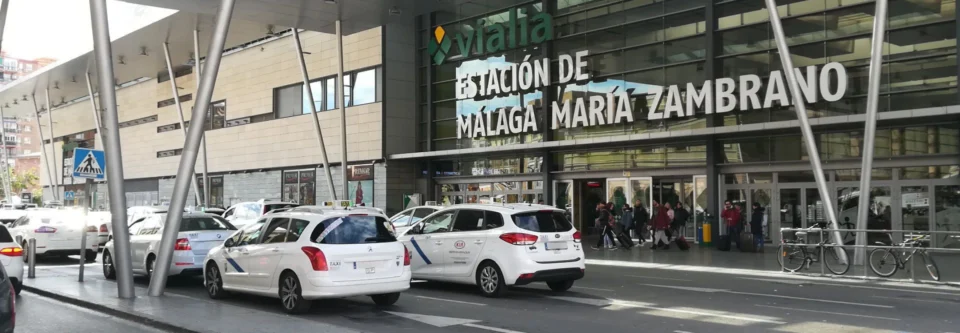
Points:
x=121 y=61
x=395 y=11
x=56 y=85
x=143 y=50
x=331 y=1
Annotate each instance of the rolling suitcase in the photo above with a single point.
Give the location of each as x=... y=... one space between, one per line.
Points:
x=682 y=243
x=746 y=242
x=625 y=241
x=723 y=243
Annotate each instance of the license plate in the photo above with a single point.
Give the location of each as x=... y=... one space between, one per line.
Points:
x=371 y=270
x=193 y=236
x=556 y=245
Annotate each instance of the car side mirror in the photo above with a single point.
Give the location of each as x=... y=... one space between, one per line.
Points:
x=417 y=229
x=229 y=242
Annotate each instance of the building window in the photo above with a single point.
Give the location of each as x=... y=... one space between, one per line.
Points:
x=216 y=190
x=217 y=115
x=169 y=153
x=289 y=101
x=167 y=128
x=179 y=71
x=170 y=101
x=26 y=151
x=300 y=187
x=138 y=121
x=26 y=128
x=362 y=87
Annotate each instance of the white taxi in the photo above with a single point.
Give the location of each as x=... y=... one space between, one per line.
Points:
x=58 y=233
x=10 y=253
x=495 y=246
x=306 y=253
x=407 y=218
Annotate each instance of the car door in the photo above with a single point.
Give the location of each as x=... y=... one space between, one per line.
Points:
x=139 y=242
x=425 y=243
x=263 y=257
x=238 y=257
x=464 y=243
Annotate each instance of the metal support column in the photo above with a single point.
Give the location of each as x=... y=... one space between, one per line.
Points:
x=57 y=174
x=176 y=100
x=114 y=168
x=341 y=85
x=3 y=17
x=93 y=107
x=188 y=159
x=7 y=188
x=43 y=149
x=313 y=113
x=203 y=138
x=808 y=138
x=870 y=132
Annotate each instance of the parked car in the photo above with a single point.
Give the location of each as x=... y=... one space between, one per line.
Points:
x=403 y=220
x=245 y=213
x=494 y=246
x=309 y=253
x=11 y=213
x=57 y=232
x=133 y=214
x=8 y=303
x=10 y=253
x=199 y=232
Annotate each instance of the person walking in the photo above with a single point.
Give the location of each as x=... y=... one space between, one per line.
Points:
x=661 y=223
x=731 y=215
x=756 y=226
x=603 y=223
x=669 y=231
x=680 y=218
x=640 y=218
x=626 y=219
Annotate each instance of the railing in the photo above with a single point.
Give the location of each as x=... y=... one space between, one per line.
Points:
x=915 y=244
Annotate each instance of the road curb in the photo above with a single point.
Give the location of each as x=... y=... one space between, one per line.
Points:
x=134 y=317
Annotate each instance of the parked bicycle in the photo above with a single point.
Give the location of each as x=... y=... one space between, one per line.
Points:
x=794 y=255
x=886 y=262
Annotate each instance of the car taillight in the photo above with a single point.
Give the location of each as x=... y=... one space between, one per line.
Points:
x=183 y=244
x=576 y=236
x=317 y=259
x=11 y=251
x=45 y=230
x=406 y=256
x=517 y=238
x=91 y=229
x=103 y=228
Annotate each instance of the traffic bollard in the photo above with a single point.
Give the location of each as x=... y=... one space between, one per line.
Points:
x=31 y=258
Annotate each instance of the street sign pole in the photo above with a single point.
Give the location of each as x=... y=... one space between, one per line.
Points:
x=87 y=163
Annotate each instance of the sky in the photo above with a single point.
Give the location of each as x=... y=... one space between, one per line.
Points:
x=60 y=29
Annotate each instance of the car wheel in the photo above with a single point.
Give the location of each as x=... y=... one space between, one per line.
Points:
x=490 y=280
x=151 y=261
x=108 y=271
x=291 y=294
x=91 y=256
x=385 y=299
x=214 y=282
x=560 y=286
x=17 y=287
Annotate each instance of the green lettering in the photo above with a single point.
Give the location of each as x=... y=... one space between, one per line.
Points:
x=465 y=43
x=495 y=38
x=479 y=29
x=542 y=29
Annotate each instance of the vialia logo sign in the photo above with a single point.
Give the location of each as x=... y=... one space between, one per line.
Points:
x=488 y=37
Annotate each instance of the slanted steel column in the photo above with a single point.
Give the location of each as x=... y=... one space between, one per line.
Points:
x=114 y=168
x=343 y=112
x=57 y=174
x=798 y=104
x=313 y=114
x=870 y=131
x=188 y=159
x=3 y=18
x=176 y=100
x=203 y=138
x=7 y=188
x=93 y=107
x=43 y=149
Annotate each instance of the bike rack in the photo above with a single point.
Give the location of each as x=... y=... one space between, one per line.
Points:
x=823 y=231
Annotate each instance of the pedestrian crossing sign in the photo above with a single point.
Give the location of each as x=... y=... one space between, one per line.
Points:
x=88 y=163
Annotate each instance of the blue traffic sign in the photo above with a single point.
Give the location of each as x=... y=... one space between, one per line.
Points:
x=88 y=163
x=68 y=195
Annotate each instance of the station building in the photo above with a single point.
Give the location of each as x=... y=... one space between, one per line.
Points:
x=574 y=102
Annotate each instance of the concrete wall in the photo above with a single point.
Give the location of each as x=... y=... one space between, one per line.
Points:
x=246 y=81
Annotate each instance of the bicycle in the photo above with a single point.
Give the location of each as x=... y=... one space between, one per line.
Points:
x=882 y=260
x=794 y=255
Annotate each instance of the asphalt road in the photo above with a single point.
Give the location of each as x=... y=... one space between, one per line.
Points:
x=617 y=299
x=38 y=314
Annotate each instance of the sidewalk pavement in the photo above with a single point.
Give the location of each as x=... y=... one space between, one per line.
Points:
x=707 y=258
x=171 y=312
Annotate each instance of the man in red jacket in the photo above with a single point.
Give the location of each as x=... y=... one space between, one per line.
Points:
x=661 y=222
x=732 y=216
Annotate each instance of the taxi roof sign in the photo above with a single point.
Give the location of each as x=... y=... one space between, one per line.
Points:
x=338 y=204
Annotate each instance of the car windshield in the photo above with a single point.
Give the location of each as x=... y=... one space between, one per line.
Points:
x=542 y=221
x=270 y=207
x=205 y=223
x=354 y=229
